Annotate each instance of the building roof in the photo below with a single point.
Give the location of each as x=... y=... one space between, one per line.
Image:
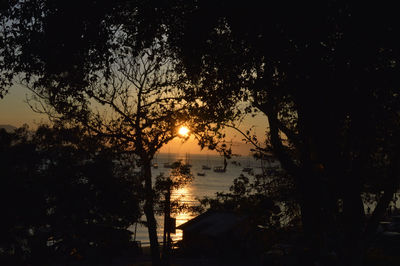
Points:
x=212 y=223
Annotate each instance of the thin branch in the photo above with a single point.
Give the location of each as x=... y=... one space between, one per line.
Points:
x=258 y=147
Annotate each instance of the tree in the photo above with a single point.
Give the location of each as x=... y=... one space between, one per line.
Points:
x=64 y=198
x=292 y=71
x=329 y=92
x=179 y=177
x=259 y=197
x=118 y=45
x=18 y=184
x=138 y=107
x=268 y=202
x=35 y=36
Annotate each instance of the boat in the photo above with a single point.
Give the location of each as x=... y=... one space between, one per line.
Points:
x=185 y=168
x=219 y=169
x=206 y=166
x=154 y=162
x=247 y=169
x=187 y=164
x=168 y=164
x=236 y=163
x=201 y=174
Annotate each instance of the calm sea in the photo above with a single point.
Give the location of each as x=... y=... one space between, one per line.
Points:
x=206 y=185
x=201 y=186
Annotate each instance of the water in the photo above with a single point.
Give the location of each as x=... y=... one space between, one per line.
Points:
x=201 y=186
x=207 y=185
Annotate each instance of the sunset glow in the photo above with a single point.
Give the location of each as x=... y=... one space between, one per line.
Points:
x=183 y=131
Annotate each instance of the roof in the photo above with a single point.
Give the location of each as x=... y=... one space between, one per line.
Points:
x=212 y=223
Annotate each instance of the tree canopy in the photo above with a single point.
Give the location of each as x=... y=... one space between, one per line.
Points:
x=325 y=74
x=68 y=43
x=64 y=198
x=326 y=77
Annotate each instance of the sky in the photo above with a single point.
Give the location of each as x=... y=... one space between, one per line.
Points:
x=15 y=111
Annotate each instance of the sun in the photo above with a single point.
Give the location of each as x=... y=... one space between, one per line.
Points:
x=183 y=131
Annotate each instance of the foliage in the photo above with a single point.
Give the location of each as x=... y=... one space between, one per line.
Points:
x=37 y=35
x=179 y=177
x=63 y=197
x=98 y=38
x=267 y=198
x=325 y=75
x=125 y=89
x=330 y=93
x=139 y=106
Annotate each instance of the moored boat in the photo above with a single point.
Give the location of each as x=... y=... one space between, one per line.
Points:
x=247 y=169
x=205 y=167
x=219 y=169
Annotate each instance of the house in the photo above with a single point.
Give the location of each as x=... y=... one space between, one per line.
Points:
x=215 y=233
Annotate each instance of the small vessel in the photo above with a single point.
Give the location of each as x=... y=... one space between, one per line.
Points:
x=205 y=167
x=185 y=168
x=219 y=169
x=155 y=165
x=236 y=163
x=168 y=164
x=187 y=164
x=201 y=174
x=247 y=169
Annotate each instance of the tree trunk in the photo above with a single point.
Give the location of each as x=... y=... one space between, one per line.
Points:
x=307 y=186
x=371 y=226
x=149 y=212
x=353 y=226
x=167 y=227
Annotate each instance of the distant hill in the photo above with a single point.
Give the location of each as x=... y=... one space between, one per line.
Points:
x=8 y=128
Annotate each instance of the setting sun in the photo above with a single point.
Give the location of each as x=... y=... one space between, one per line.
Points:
x=183 y=131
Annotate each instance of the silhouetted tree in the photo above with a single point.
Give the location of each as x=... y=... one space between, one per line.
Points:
x=326 y=77
x=115 y=75
x=179 y=177
x=35 y=36
x=64 y=198
x=259 y=197
x=138 y=107
x=22 y=204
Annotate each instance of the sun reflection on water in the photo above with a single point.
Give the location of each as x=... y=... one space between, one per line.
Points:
x=185 y=196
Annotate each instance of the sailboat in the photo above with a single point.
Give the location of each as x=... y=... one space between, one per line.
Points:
x=247 y=169
x=187 y=164
x=167 y=164
x=154 y=164
x=221 y=169
x=207 y=166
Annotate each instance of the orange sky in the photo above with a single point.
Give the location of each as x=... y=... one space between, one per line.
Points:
x=190 y=146
x=16 y=112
